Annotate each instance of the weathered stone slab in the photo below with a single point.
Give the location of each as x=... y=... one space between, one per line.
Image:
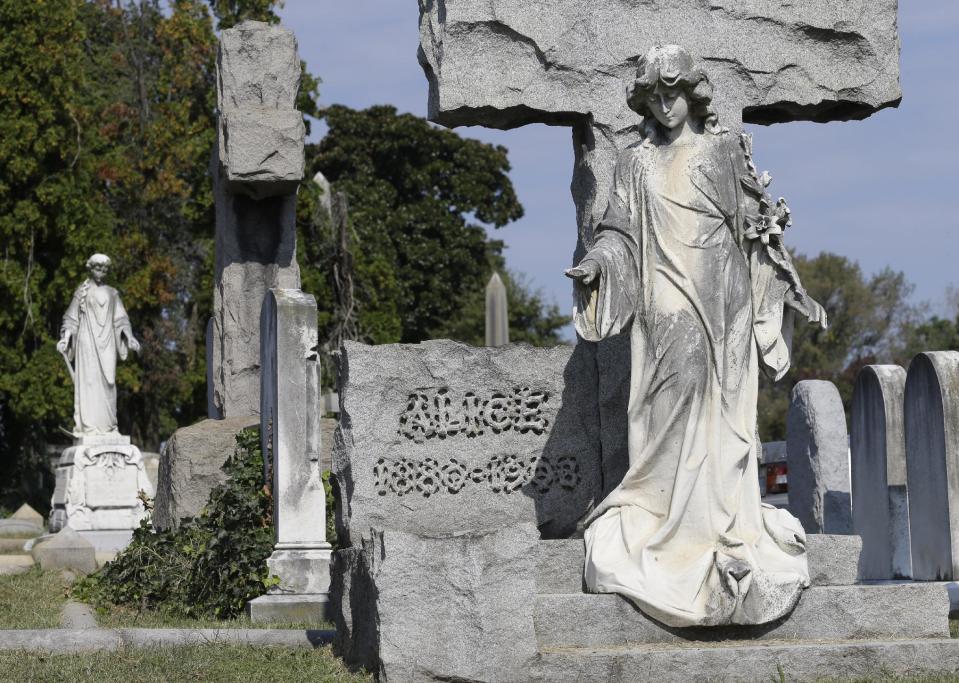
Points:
x=440 y=438
x=857 y=660
x=66 y=549
x=877 y=446
x=453 y=608
x=904 y=610
x=833 y=561
x=191 y=465
x=931 y=407
x=258 y=166
x=817 y=451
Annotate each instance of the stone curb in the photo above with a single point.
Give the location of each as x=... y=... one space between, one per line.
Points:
x=69 y=640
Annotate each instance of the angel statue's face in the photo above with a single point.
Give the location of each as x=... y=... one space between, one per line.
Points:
x=99 y=272
x=669 y=104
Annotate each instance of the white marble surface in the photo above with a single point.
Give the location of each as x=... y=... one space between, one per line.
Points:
x=694 y=270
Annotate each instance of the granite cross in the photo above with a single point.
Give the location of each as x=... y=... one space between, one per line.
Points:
x=508 y=63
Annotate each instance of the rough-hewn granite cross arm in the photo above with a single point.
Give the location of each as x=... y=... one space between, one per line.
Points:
x=506 y=63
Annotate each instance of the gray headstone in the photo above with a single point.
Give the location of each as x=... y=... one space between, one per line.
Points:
x=28 y=514
x=932 y=463
x=456 y=608
x=290 y=434
x=191 y=465
x=497 y=312
x=442 y=438
x=817 y=452
x=877 y=448
x=67 y=549
x=258 y=165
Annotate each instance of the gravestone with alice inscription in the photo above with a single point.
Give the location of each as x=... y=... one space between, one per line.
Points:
x=441 y=437
x=452 y=462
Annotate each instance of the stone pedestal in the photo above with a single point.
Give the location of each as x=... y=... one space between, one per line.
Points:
x=303 y=594
x=99 y=480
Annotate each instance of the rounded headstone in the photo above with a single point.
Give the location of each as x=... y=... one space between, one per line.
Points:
x=878 y=468
x=931 y=408
x=817 y=453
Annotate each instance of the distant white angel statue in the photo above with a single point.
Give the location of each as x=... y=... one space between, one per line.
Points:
x=95 y=331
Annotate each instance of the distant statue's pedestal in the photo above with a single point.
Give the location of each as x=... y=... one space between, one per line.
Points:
x=99 y=480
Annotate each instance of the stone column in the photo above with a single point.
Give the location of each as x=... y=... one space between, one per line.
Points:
x=258 y=165
x=931 y=408
x=290 y=434
x=817 y=456
x=880 y=513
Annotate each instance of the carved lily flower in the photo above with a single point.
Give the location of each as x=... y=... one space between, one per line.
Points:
x=763 y=227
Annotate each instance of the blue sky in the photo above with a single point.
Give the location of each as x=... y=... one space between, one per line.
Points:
x=878 y=191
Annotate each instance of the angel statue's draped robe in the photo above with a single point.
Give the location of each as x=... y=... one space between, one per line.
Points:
x=100 y=329
x=685 y=535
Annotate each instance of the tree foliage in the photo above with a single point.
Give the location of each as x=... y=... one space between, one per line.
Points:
x=106 y=147
x=421 y=199
x=868 y=317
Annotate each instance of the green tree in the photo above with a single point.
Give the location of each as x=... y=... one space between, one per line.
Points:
x=866 y=320
x=229 y=13
x=49 y=222
x=419 y=199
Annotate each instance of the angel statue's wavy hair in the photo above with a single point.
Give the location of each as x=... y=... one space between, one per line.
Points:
x=98 y=260
x=672 y=66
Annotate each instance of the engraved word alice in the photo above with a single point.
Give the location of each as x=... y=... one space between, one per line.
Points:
x=435 y=413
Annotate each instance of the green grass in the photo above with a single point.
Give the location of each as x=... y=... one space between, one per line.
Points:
x=207 y=663
x=118 y=616
x=32 y=599
x=954 y=628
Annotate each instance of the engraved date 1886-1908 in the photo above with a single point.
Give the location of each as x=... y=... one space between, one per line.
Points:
x=501 y=474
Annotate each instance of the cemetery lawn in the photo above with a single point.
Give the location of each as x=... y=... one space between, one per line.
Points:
x=119 y=616
x=207 y=663
x=32 y=599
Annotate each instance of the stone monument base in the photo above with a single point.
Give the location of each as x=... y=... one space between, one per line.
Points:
x=512 y=607
x=303 y=594
x=289 y=609
x=98 y=485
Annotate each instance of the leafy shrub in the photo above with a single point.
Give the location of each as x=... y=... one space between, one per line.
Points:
x=210 y=566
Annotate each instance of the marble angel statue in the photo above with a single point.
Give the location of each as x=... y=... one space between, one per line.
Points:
x=689 y=261
x=94 y=332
